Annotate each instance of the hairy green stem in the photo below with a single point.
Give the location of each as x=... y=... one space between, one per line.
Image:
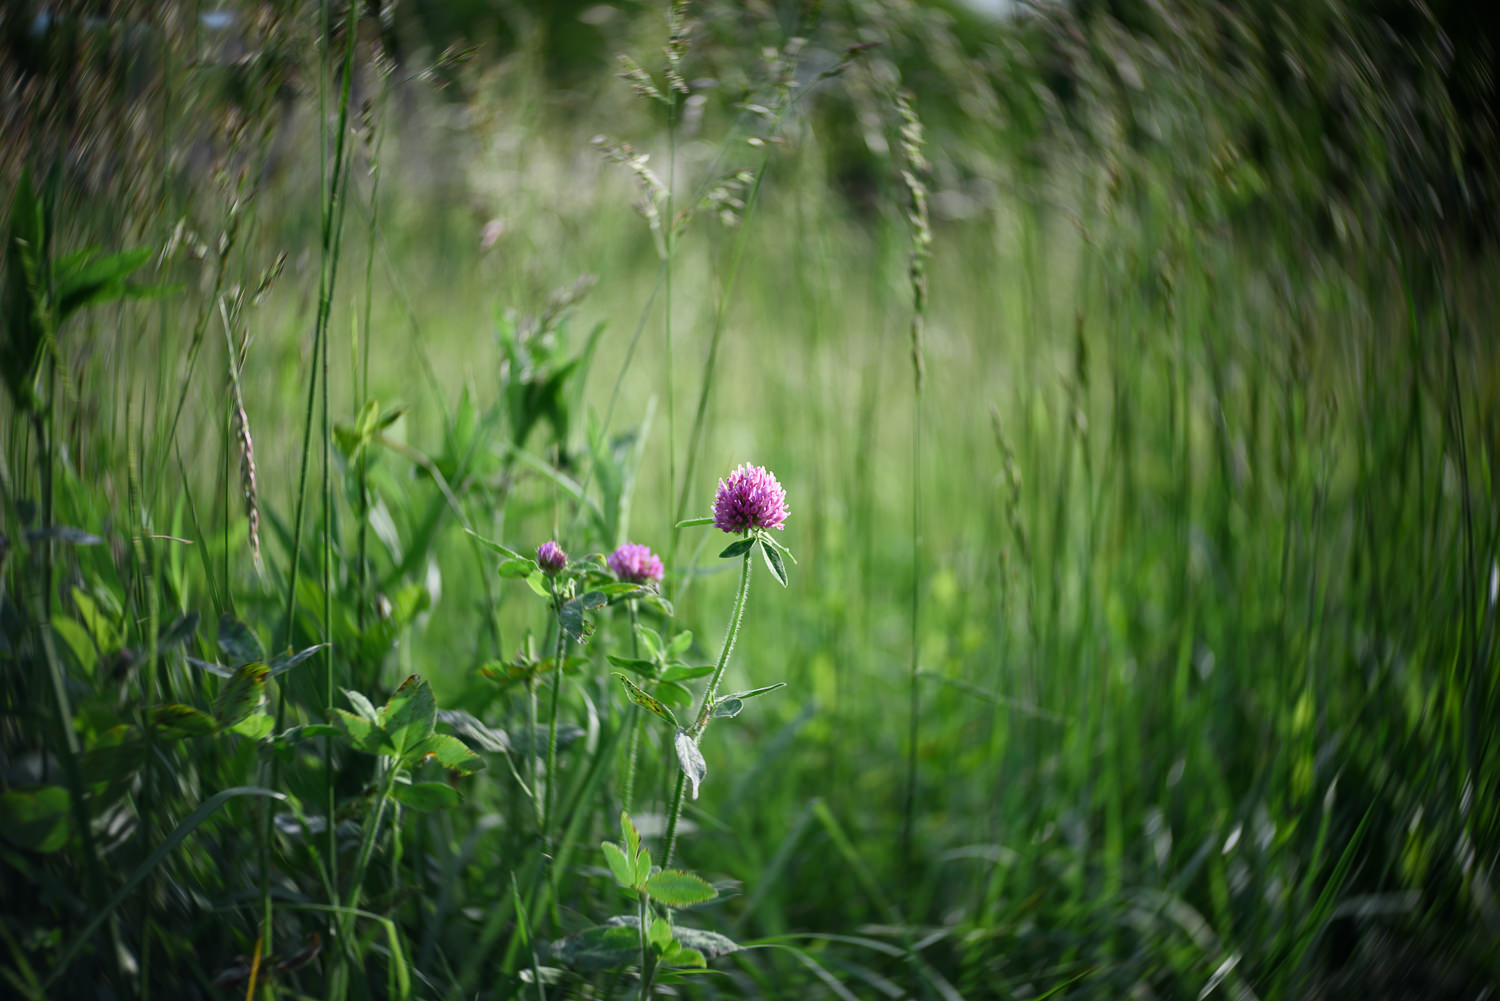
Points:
x=557 y=658
x=536 y=759
x=632 y=755
x=708 y=699
x=643 y=913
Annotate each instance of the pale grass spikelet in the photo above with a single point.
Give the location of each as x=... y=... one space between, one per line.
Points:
x=677 y=43
x=640 y=80
x=1012 y=475
x=247 y=470
x=653 y=193
x=913 y=170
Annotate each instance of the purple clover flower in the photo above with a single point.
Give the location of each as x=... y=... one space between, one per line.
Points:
x=750 y=498
x=636 y=563
x=550 y=556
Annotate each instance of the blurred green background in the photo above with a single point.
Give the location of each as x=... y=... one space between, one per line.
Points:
x=1129 y=367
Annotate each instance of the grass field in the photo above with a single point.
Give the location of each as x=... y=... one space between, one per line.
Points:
x=1141 y=636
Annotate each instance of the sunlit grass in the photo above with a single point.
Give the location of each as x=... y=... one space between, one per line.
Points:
x=1203 y=568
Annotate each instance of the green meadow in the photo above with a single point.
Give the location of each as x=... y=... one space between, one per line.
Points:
x=1129 y=371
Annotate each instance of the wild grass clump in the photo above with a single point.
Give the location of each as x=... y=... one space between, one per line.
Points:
x=1119 y=381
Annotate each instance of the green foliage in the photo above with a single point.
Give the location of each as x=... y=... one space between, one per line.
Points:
x=1149 y=651
x=656 y=941
x=42 y=291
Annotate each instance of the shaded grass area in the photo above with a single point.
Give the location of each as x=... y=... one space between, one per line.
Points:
x=1205 y=563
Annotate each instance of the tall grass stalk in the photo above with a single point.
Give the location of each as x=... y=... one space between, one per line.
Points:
x=914 y=167
x=331 y=238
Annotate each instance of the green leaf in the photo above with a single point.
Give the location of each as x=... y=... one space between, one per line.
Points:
x=97 y=281
x=256 y=726
x=645 y=701
x=517 y=569
x=645 y=668
x=755 y=692
x=620 y=589
x=118 y=755
x=426 y=795
x=602 y=947
x=362 y=705
x=674 y=694
x=178 y=720
x=629 y=836
x=693 y=522
x=538 y=583
x=660 y=936
x=475 y=732
x=691 y=759
x=450 y=752
x=680 y=643
x=77 y=639
x=567 y=734
x=242 y=694
x=773 y=561
x=653 y=600
x=285 y=662
x=684 y=956
x=495 y=546
x=727 y=708
x=100 y=621
x=768 y=539
x=651 y=640
x=676 y=888
x=295 y=733
x=411 y=714
x=390 y=416
x=237 y=643
x=734 y=549
x=178 y=632
x=619 y=866
x=593 y=599
x=353 y=437
x=708 y=943
x=693 y=941
x=572 y=619
x=35 y=819
x=684 y=672
x=364 y=735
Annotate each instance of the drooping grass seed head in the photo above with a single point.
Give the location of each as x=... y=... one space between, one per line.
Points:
x=636 y=563
x=550 y=557
x=750 y=498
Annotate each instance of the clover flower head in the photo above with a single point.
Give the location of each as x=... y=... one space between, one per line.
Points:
x=550 y=557
x=750 y=498
x=636 y=563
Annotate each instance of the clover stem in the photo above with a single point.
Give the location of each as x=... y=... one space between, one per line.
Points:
x=633 y=753
x=536 y=759
x=708 y=699
x=557 y=659
x=642 y=915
